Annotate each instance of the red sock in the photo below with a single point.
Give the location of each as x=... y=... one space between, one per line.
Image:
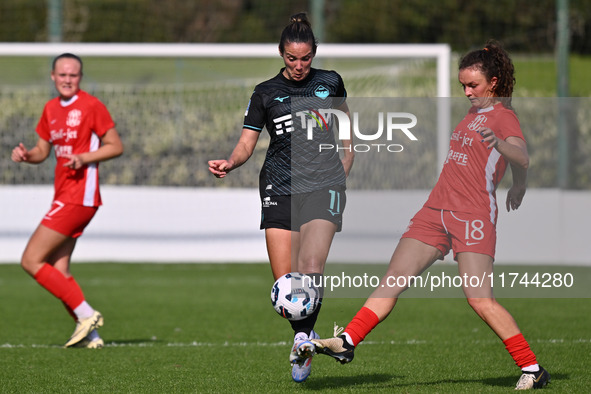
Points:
x=519 y=349
x=75 y=284
x=57 y=284
x=364 y=321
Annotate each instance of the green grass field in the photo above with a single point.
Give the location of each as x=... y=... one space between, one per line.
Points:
x=535 y=74
x=176 y=328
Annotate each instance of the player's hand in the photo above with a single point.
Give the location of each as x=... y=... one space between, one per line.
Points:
x=347 y=162
x=489 y=137
x=219 y=168
x=74 y=162
x=515 y=197
x=20 y=153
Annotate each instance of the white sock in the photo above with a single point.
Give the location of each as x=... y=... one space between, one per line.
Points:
x=83 y=311
x=300 y=336
x=531 y=368
x=348 y=338
x=93 y=335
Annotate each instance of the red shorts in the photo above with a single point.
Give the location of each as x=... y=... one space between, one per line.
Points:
x=460 y=231
x=68 y=219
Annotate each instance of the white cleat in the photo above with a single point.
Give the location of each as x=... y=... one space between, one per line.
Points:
x=84 y=327
x=301 y=357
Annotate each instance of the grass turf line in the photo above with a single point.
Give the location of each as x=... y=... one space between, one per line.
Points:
x=211 y=328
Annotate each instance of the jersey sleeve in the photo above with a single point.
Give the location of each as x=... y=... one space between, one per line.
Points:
x=509 y=126
x=341 y=92
x=254 y=117
x=101 y=119
x=43 y=126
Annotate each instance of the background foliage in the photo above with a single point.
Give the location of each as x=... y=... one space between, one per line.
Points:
x=524 y=25
x=175 y=114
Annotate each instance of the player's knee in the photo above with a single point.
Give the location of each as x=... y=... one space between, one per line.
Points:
x=30 y=264
x=481 y=305
x=27 y=266
x=311 y=264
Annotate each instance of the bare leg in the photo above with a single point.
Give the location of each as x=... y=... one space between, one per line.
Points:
x=481 y=298
x=410 y=258
x=314 y=244
x=47 y=246
x=279 y=248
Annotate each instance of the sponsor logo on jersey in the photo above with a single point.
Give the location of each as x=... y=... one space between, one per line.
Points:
x=280 y=99
x=62 y=150
x=283 y=124
x=462 y=138
x=67 y=135
x=460 y=158
x=268 y=203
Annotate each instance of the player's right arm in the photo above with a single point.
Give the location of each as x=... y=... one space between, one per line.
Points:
x=241 y=153
x=34 y=156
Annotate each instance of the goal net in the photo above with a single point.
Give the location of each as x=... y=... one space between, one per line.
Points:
x=178 y=105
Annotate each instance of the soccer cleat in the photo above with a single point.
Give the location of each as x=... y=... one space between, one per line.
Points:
x=533 y=380
x=96 y=343
x=84 y=327
x=300 y=357
x=300 y=372
x=337 y=348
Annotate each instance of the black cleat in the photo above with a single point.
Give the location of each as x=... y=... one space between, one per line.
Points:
x=533 y=380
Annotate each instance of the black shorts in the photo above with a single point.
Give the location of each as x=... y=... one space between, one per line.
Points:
x=291 y=212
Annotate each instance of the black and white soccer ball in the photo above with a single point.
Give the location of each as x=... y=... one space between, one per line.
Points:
x=294 y=296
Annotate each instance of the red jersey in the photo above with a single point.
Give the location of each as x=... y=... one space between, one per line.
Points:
x=75 y=127
x=471 y=173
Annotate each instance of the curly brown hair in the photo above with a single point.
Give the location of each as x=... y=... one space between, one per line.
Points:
x=493 y=61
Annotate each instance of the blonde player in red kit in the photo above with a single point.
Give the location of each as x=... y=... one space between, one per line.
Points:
x=81 y=132
x=461 y=213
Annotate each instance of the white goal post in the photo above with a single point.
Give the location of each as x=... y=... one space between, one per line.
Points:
x=440 y=52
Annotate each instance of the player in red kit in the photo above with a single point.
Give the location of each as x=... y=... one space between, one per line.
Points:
x=461 y=213
x=82 y=133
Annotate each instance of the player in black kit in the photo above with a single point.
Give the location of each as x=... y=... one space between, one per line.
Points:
x=302 y=186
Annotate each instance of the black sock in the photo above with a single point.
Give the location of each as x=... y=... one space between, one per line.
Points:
x=307 y=325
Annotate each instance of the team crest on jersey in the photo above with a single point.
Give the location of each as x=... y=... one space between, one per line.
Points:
x=321 y=92
x=477 y=123
x=74 y=118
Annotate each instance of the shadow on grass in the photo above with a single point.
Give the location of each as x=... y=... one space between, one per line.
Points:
x=367 y=380
x=133 y=342
x=381 y=381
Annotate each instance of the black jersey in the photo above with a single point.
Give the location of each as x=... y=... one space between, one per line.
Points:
x=293 y=163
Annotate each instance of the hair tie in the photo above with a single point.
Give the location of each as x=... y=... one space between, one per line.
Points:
x=485 y=49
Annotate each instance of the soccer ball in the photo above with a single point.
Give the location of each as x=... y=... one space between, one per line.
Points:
x=294 y=296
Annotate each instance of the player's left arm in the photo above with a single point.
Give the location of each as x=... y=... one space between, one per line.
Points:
x=349 y=154
x=111 y=147
x=514 y=149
